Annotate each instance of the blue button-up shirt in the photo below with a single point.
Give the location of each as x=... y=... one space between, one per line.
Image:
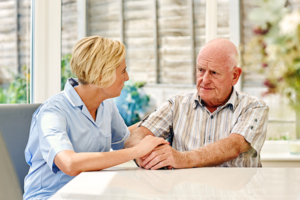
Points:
x=63 y=122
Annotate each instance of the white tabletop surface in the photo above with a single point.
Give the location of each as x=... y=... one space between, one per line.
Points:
x=126 y=182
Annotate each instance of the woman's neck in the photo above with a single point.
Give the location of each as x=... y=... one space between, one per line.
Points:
x=91 y=96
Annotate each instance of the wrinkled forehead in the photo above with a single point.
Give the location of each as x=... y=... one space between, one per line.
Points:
x=218 y=53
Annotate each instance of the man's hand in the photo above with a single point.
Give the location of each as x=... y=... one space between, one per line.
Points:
x=163 y=156
x=139 y=162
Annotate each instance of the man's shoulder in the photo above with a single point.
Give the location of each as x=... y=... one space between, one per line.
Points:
x=249 y=100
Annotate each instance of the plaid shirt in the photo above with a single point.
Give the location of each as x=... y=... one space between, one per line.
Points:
x=195 y=127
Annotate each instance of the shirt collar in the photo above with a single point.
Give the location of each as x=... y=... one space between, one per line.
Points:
x=71 y=93
x=197 y=100
x=231 y=101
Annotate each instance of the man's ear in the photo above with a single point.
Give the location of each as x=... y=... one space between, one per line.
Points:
x=237 y=71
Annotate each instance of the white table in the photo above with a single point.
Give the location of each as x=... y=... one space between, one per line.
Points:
x=126 y=182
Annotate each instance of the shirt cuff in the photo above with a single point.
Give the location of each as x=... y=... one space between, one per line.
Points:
x=55 y=149
x=254 y=148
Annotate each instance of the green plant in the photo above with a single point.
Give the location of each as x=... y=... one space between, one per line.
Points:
x=275 y=50
x=66 y=70
x=283 y=137
x=17 y=90
x=132 y=102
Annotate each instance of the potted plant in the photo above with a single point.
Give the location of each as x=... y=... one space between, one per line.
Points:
x=133 y=102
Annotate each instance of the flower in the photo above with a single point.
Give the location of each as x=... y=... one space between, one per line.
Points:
x=290 y=22
x=274 y=49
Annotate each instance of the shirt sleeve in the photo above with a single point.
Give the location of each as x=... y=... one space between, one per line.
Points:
x=252 y=124
x=160 y=121
x=53 y=137
x=119 y=129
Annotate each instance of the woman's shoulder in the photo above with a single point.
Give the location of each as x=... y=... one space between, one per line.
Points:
x=57 y=102
x=108 y=103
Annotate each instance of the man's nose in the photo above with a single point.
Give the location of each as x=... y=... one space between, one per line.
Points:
x=206 y=77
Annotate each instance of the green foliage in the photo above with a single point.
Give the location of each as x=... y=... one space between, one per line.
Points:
x=66 y=70
x=283 y=137
x=275 y=48
x=17 y=90
x=132 y=102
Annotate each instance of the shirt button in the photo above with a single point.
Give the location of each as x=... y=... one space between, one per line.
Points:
x=255 y=120
x=211 y=117
x=251 y=127
x=208 y=137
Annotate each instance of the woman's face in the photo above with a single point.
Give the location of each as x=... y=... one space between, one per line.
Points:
x=115 y=89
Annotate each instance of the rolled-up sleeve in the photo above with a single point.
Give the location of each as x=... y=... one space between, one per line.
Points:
x=53 y=137
x=252 y=124
x=119 y=129
x=159 y=122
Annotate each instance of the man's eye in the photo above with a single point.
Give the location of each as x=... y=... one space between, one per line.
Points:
x=214 y=72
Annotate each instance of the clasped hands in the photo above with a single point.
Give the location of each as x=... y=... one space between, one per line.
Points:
x=162 y=156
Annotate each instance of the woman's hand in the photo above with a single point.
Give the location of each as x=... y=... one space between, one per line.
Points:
x=148 y=144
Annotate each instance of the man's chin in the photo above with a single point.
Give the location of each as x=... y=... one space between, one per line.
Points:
x=205 y=92
x=205 y=96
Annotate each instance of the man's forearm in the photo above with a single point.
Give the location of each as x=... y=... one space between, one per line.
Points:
x=136 y=136
x=216 y=153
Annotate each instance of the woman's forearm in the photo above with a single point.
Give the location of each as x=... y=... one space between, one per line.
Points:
x=72 y=163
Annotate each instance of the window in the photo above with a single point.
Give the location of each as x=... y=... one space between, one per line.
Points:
x=162 y=38
x=46 y=49
x=15 y=51
x=282 y=118
x=72 y=13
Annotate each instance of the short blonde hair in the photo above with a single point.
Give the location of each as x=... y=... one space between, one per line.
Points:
x=95 y=59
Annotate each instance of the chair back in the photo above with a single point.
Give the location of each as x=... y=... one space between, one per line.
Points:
x=15 y=120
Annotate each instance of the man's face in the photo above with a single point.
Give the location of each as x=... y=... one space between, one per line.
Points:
x=214 y=78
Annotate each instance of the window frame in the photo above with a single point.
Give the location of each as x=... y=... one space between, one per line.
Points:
x=45 y=59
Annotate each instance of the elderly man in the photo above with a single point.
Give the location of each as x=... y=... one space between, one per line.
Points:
x=215 y=126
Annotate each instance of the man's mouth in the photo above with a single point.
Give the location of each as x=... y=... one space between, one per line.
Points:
x=205 y=88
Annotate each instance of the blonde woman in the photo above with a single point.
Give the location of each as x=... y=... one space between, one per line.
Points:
x=73 y=131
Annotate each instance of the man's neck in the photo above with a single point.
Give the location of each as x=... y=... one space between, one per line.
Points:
x=212 y=106
x=211 y=109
